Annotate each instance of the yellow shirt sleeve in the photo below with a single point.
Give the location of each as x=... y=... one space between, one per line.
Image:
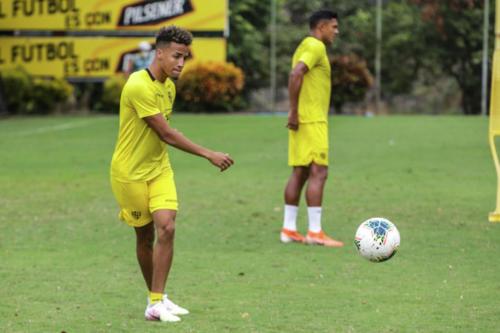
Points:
x=310 y=56
x=143 y=101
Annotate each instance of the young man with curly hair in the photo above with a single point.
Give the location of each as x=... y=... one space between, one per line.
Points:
x=142 y=178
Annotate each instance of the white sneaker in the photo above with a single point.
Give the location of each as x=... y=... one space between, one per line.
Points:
x=173 y=308
x=158 y=311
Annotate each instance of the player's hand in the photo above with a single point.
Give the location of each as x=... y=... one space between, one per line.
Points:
x=221 y=160
x=293 y=121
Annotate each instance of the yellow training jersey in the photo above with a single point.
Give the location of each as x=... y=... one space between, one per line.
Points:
x=139 y=154
x=314 y=97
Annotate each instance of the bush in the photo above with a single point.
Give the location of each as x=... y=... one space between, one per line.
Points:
x=25 y=94
x=351 y=80
x=210 y=86
x=17 y=88
x=47 y=94
x=110 y=99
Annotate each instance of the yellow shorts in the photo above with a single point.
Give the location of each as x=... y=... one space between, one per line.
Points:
x=138 y=200
x=308 y=144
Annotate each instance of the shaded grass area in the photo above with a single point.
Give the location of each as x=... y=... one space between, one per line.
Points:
x=69 y=265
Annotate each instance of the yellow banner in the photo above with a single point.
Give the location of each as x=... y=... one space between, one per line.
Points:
x=495 y=79
x=194 y=15
x=89 y=57
x=494 y=130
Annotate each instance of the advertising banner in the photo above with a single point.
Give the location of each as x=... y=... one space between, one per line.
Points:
x=89 y=57
x=107 y=15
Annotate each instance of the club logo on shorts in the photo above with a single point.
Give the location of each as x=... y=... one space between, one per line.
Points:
x=136 y=214
x=322 y=156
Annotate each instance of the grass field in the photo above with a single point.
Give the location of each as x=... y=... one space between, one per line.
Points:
x=67 y=264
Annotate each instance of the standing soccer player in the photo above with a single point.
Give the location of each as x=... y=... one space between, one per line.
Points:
x=141 y=176
x=309 y=88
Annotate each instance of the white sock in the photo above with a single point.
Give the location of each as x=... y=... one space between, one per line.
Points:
x=314 y=214
x=290 y=220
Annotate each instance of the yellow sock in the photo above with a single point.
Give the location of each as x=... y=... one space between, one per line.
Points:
x=155 y=297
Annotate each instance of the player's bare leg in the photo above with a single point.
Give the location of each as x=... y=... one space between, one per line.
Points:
x=163 y=251
x=316 y=184
x=145 y=237
x=318 y=175
x=145 y=249
x=295 y=184
x=293 y=190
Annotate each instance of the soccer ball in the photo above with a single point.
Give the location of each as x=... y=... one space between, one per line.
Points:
x=377 y=239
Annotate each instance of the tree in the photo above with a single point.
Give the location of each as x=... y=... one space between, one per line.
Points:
x=350 y=80
x=403 y=47
x=453 y=36
x=423 y=40
x=351 y=77
x=248 y=43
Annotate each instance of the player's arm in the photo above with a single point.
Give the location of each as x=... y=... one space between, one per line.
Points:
x=175 y=138
x=295 y=80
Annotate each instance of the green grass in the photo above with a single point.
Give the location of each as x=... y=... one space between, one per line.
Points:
x=68 y=264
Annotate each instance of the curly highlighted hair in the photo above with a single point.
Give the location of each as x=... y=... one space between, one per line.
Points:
x=175 y=34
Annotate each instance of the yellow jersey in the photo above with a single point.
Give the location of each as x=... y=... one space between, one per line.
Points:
x=314 y=97
x=139 y=154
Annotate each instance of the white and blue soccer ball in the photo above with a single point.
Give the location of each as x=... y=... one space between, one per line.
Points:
x=377 y=239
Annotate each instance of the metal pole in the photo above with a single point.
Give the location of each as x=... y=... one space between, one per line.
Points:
x=227 y=31
x=378 y=56
x=484 y=85
x=273 y=55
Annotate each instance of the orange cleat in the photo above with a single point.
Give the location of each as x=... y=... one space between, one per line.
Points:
x=320 y=238
x=289 y=236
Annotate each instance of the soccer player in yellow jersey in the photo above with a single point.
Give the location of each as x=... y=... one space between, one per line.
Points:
x=309 y=88
x=141 y=176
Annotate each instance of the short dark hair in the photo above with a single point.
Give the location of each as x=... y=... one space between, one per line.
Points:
x=173 y=34
x=321 y=15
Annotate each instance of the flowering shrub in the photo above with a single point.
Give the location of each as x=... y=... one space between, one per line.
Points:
x=351 y=79
x=210 y=86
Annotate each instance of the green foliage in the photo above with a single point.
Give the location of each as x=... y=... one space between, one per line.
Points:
x=403 y=44
x=27 y=94
x=294 y=26
x=110 y=98
x=424 y=41
x=210 y=86
x=249 y=40
x=48 y=93
x=351 y=79
x=17 y=88
x=454 y=37
x=248 y=43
